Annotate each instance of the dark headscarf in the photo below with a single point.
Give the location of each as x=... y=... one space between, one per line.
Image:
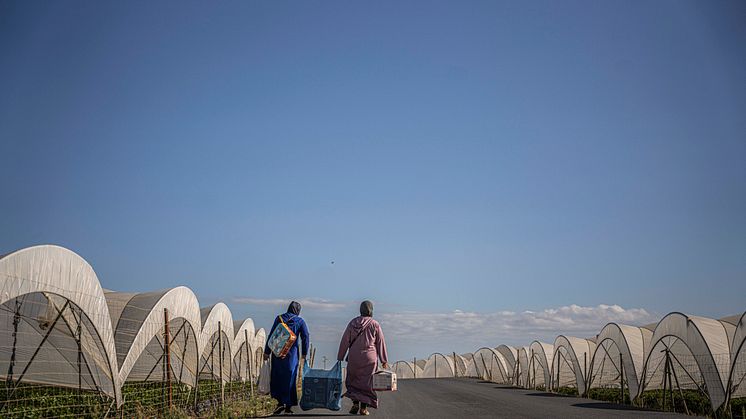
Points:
x=294 y=308
x=366 y=309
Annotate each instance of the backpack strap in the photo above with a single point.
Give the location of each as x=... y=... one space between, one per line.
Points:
x=283 y=322
x=357 y=336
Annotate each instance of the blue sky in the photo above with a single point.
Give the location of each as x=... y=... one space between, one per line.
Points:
x=473 y=156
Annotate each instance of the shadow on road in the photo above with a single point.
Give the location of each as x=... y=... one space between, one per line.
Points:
x=545 y=395
x=611 y=406
x=311 y=415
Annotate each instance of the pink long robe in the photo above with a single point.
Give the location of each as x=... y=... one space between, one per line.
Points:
x=365 y=352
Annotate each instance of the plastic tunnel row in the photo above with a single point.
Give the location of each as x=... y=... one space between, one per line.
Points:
x=681 y=352
x=59 y=327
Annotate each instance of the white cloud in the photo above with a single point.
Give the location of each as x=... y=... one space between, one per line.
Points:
x=306 y=303
x=416 y=333
x=516 y=328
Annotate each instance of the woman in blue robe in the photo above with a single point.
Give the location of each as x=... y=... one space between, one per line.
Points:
x=285 y=370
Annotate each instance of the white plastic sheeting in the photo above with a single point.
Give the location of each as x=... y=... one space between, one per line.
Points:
x=460 y=364
x=489 y=364
x=510 y=355
x=699 y=350
x=539 y=364
x=51 y=272
x=139 y=333
x=570 y=364
x=248 y=346
x=404 y=370
x=615 y=341
x=53 y=311
x=215 y=342
x=438 y=366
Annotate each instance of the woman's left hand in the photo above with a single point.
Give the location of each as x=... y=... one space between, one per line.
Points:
x=385 y=365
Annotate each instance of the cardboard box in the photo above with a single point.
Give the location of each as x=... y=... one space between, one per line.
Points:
x=384 y=381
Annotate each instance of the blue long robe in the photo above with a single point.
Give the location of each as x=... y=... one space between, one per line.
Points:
x=285 y=371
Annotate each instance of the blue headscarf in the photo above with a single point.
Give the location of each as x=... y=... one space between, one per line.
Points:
x=294 y=308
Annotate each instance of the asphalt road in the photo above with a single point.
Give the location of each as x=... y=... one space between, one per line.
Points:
x=467 y=398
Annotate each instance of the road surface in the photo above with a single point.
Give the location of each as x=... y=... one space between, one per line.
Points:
x=469 y=398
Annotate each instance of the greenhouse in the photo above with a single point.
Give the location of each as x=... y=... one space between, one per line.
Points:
x=661 y=365
x=404 y=370
x=216 y=337
x=438 y=366
x=620 y=349
x=489 y=364
x=56 y=328
x=140 y=323
x=248 y=346
x=539 y=374
x=510 y=357
x=691 y=353
x=460 y=364
x=61 y=330
x=570 y=362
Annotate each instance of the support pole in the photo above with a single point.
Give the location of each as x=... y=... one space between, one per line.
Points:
x=80 y=356
x=455 y=367
x=220 y=362
x=414 y=370
x=196 y=378
x=16 y=322
x=196 y=388
x=492 y=362
x=248 y=363
x=665 y=374
x=670 y=382
x=586 y=376
x=681 y=393
x=167 y=349
x=436 y=365
x=183 y=356
x=484 y=365
x=621 y=378
x=559 y=362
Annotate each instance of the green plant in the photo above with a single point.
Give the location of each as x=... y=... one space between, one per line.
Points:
x=738 y=408
x=567 y=391
x=692 y=400
x=608 y=394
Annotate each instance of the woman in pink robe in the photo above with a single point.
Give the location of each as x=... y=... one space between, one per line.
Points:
x=364 y=340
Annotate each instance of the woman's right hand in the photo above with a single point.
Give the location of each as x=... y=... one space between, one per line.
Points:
x=265 y=356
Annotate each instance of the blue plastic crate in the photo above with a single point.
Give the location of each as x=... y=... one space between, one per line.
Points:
x=322 y=389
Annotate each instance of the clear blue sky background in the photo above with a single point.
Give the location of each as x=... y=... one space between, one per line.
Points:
x=446 y=155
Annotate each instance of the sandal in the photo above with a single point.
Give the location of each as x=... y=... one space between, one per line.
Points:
x=364 y=412
x=355 y=408
x=278 y=411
